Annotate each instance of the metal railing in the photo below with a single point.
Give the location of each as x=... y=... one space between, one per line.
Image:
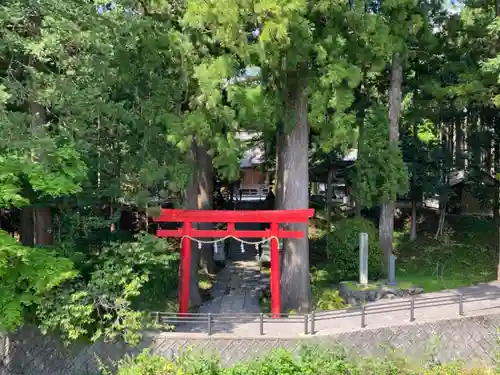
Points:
x=251 y=193
x=411 y=305
x=208 y=320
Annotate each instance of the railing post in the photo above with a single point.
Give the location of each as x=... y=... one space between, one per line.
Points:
x=363 y=316
x=461 y=304
x=313 y=322
x=261 y=324
x=209 y=324
x=412 y=309
x=157 y=319
x=306 y=324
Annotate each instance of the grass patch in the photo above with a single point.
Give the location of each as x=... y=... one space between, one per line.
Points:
x=325 y=289
x=404 y=285
x=437 y=265
x=465 y=255
x=356 y=286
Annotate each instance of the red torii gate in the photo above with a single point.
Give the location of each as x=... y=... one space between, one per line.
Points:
x=274 y=218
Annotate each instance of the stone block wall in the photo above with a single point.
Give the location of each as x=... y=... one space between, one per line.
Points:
x=470 y=339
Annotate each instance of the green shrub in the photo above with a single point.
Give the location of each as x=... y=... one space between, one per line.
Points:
x=319 y=361
x=343 y=248
x=328 y=299
x=474 y=230
x=193 y=364
x=311 y=360
x=324 y=288
x=27 y=277
x=109 y=302
x=146 y=364
x=152 y=364
x=278 y=362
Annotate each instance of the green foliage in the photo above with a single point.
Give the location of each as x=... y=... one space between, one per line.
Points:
x=328 y=362
x=152 y=364
x=492 y=63
x=27 y=278
x=311 y=360
x=190 y=363
x=10 y=181
x=58 y=172
x=146 y=364
x=89 y=123
x=279 y=362
x=424 y=155
x=161 y=291
x=473 y=230
x=343 y=248
x=328 y=298
x=380 y=173
x=101 y=303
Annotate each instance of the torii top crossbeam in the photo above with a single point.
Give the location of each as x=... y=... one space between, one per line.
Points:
x=217 y=216
x=231 y=218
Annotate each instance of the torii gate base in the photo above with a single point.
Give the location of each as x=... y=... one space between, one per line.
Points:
x=274 y=218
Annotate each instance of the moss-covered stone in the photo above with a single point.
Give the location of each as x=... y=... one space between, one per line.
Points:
x=356 y=294
x=356 y=286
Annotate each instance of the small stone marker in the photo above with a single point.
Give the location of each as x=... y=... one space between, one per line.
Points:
x=363 y=258
x=392 y=270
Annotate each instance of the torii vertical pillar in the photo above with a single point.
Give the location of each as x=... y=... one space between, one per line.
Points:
x=185 y=270
x=275 y=272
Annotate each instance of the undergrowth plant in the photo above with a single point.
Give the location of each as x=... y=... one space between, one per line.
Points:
x=28 y=276
x=309 y=360
x=343 y=248
x=102 y=302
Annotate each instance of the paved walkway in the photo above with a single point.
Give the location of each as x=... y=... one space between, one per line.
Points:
x=237 y=288
x=482 y=299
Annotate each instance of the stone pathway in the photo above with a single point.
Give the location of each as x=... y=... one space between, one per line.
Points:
x=236 y=290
